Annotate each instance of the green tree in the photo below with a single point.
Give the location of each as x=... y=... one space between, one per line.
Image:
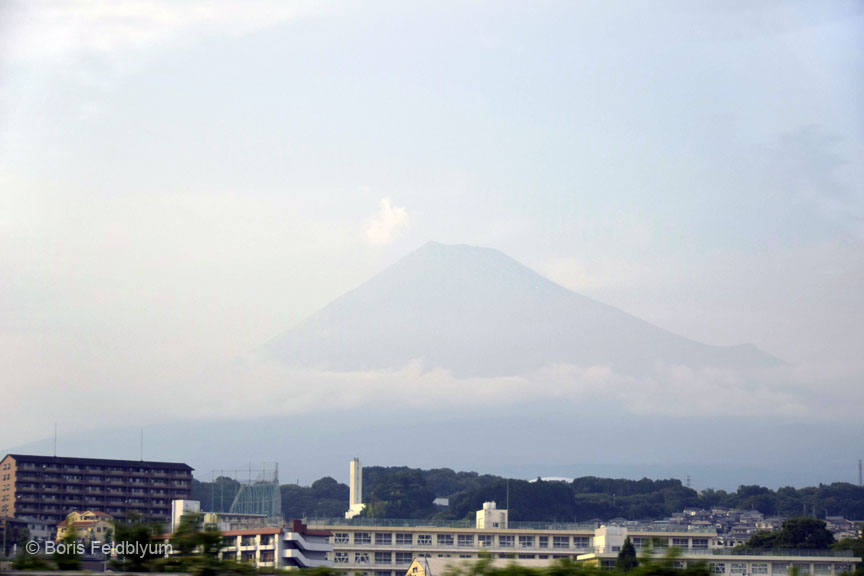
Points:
x=135 y=535
x=186 y=537
x=762 y=540
x=805 y=533
x=66 y=557
x=797 y=533
x=627 y=557
x=403 y=494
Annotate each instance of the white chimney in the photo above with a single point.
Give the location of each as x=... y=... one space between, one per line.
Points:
x=355 y=495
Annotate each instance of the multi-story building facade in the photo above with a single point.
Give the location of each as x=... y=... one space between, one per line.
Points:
x=289 y=546
x=48 y=487
x=292 y=546
x=387 y=547
x=721 y=559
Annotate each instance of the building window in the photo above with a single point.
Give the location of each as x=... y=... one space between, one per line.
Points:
x=700 y=543
x=445 y=539
x=383 y=558
x=681 y=543
x=526 y=556
x=737 y=568
x=506 y=541
x=759 y=568
x=384 y=538
x=580 y=542
x=560 y=541
x=404 y=557
x=340 y=557
x=340 y=538
x=362 y=538
x=803 y=568
x=526 y=541
x=424 y=540
x=678 y=565
x=717 y=567
x=821 y=568
x=485 y=540
x=779 y=568
x=403 y=539
x=361 y=558
x=542 y=541
x=465 y=540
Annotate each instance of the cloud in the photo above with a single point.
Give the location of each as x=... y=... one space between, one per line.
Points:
x=261 y=388
x=47 y=30
x=387 y=223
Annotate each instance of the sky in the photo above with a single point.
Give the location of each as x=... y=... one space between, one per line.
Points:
x=180 y=182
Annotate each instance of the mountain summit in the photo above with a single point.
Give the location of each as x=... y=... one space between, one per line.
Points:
x=477 y=312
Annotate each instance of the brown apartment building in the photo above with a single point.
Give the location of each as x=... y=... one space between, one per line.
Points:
x=50 y=487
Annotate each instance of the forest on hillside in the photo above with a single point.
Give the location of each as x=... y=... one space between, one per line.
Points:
x=402 y=492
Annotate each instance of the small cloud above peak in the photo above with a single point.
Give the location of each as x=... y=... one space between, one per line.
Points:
x=387 y=223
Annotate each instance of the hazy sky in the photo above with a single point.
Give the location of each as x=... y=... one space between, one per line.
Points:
x=179 y=182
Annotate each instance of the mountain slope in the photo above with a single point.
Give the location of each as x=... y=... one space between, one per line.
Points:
x=477 y=312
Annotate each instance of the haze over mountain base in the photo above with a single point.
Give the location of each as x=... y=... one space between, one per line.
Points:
x=460 y=357
x=716 y=452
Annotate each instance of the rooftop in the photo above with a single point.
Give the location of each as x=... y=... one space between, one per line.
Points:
x=34 y=459
x=470 y=524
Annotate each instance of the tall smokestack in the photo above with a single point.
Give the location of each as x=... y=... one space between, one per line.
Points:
x=355 y=495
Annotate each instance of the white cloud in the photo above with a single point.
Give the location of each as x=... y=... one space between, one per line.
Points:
x=387 y=223
x=47 y=30
x=259 y=388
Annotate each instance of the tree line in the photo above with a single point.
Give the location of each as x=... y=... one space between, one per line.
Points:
x=402 y=492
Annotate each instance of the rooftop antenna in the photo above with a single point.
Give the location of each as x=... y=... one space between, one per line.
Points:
x=55 y=447
x=688 y=481
x=142 y=444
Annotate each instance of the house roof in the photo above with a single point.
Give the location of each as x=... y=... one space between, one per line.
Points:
x=98 y=513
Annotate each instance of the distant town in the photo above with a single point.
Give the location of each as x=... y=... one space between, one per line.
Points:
x=98 y=514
